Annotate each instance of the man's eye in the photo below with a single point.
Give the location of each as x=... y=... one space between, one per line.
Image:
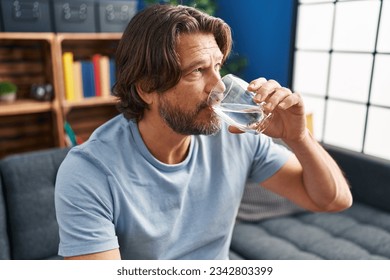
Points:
x=197 y=70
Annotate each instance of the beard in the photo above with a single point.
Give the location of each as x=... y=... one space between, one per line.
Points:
x=187 y=122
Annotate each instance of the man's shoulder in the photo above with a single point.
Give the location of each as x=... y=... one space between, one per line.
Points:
x=111 y=128
x=106 y=142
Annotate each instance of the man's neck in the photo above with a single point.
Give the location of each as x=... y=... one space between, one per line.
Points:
x=163 y=143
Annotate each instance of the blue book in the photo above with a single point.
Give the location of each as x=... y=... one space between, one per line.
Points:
x=112 y=72
x=88 y=78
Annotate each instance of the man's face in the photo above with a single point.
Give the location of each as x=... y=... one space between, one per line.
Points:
x=184 y=107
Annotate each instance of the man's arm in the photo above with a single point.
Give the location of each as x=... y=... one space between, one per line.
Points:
x=311 y=178
x=84 y=209
x=107 y=255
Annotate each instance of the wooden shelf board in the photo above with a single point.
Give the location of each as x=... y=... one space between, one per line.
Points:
x=26 y=36
x=60 y=36
x=26 y=106
x=89 y=36
x=90 y=102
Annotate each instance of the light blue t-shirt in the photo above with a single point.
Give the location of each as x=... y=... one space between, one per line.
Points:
x=112 y=193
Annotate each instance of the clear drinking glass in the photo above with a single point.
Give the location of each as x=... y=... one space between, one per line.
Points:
x=234 y=104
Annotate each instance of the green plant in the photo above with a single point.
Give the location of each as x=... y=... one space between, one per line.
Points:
x=7 y=88
x=235 y=64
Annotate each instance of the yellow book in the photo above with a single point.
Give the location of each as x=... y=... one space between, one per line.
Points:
x=67 y=62
x=105 y=76
x=78 y=81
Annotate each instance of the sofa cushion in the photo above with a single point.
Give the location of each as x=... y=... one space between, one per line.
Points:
x=29 y=191
x=4 y=243
x=234 y=256
x=351 y=234
x=258 y=203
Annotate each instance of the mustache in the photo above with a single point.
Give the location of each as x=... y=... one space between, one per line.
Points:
x=201 y=106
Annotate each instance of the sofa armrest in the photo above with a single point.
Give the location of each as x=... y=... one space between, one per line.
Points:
x=368 y=176
x=4 y=240
x=28 y=182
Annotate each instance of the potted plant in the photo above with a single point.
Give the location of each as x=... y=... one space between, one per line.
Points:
x=7 y=91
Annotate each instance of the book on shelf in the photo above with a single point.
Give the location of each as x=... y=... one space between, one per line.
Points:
x=112 y=73
x=78 y=81
x=96 y=72
x=105 y=76
x=67 y=61
x=88 y=78
x=70 y=138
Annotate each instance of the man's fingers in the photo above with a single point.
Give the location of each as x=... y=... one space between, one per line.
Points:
x=291 y=100
x=278 y=96
x=256 y=84
x=264 y=89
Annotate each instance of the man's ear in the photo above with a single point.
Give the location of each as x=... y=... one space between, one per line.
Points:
x=147 y=97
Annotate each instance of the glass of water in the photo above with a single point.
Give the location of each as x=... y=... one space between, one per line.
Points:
x=233 y=103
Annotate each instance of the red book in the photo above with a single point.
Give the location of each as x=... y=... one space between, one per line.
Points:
x=96 y=72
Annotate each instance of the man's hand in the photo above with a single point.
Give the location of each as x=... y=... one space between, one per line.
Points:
x=288 y=120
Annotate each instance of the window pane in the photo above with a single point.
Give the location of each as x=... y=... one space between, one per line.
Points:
x=384 y=29
x=316 y=106
x=337 y=43
x=345 y=124
x=354 y=29
x=378 y=135
x=314 y=26
x=310 y=72
x=350 y=76
x=380 y=92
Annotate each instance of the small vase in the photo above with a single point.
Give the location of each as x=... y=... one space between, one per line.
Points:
x=10 y=97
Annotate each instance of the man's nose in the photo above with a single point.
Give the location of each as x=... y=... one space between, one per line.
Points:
x=214 y=81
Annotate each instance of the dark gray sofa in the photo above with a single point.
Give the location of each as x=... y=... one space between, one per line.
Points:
x=361 y=232
x=28 y=227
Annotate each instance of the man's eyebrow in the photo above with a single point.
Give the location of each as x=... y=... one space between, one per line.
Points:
x=200 y=62
x=194 y=64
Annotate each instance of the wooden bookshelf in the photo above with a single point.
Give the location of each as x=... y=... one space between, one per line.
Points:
x=36 y=58
x=80 y=114
x=90 y=102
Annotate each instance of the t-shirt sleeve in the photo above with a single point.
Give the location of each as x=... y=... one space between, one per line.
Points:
x=268 y=159
x=84 y=207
